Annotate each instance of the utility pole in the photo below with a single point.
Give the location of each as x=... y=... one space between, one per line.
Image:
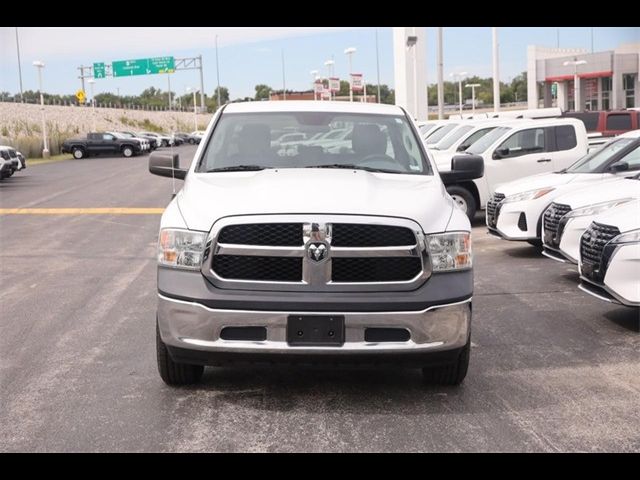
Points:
x=473 y=96
x=19 y=66
x=218 y=71
x=45 y=151
x=440 y=76
x=284 y=85
x=496 y=73
x=169 y=91
x=202 y=109
x=378 y=64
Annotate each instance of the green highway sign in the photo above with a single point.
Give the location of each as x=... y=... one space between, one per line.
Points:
x=143 y=66
x=99 y=70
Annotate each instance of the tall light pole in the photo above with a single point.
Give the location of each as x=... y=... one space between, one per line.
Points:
x=349 y=53
x=329 y=64
x=496 y=73
x=284 y=84
x=378 y=65
x=93 y=105
x=473 y=95
x=440 y=75
x=314 y=75
x=577 y=101
x=45 y=151
x=195 y=111
x=412 y=44
x=19 y=66
x=218 y=71
x=459 y=75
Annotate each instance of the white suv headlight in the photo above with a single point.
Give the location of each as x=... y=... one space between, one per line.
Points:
x=596 y=208
x=632 y=236
x=450 y=251
x=529 y=195
x=181 y=248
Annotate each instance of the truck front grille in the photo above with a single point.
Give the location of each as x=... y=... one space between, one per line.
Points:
x=316 y=253
x=552 y=216
x=274 y=269
x=592 y=246
x=493 y=209
x=380 y=269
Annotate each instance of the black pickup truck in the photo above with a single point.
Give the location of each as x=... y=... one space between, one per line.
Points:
x=101 y=143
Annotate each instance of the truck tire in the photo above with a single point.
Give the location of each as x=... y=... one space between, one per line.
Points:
x=127 y=151
x=450 y=374
x=78 y=152
x=464 y=199
x=192 y=141
x=173 y=373
x=164 y=143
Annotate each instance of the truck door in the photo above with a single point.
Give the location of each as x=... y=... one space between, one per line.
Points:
x=109 y=144
x=522 y=154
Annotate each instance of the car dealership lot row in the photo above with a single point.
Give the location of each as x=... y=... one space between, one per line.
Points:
x=552 y=368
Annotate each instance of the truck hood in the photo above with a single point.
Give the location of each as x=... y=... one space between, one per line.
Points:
x=615 y=189
x=207 y=197
x=544 y=180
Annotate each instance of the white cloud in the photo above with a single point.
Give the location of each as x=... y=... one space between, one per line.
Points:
x=75 y=42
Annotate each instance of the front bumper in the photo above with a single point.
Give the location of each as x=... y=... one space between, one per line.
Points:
x=192 y=313
x=186 y=327
x=519 y=220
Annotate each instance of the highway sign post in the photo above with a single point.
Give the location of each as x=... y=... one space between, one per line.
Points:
x=143 y=66
x=99 y=70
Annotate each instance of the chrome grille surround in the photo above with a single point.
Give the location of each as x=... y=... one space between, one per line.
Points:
x=316 y=275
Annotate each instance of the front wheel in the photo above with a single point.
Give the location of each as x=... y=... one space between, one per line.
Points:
x=464 y=199
x=452 y=373
x=127 y=151
x=164 y=143
x=78 y=153
x=173 y=373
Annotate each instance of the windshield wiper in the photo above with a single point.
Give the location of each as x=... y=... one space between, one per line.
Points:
x=564 y=170
x=237 y=168
x=355 y=167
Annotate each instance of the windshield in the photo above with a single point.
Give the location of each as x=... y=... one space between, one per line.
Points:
x=125 y=134
x=453 y=138
x=118 y=135
x=242 y=141
x=439 y=135
x=425 y=128
x=595 y=160
x=486 y=141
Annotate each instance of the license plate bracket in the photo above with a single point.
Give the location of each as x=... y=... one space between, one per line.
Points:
x=315 y=330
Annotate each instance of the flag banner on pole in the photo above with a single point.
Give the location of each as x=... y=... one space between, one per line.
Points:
x=356 y=82
x=334 y=84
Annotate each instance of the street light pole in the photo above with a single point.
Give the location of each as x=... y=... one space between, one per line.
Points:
x=314 y=75
x=473 y=96
x=577 y=101
x=19 y=66
x=378 y=65
x=459 y=76
x=349 y=52
x=45 y=151
x=329 y=64
x=93 y=106
x=218 y=71
x=195 y=111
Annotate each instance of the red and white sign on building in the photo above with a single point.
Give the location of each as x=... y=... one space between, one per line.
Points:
x=334 y=84
x=326 y=94
x=318 y=87
x=357 y=84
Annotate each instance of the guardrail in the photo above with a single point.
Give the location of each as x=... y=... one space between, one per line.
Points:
x=121 y=106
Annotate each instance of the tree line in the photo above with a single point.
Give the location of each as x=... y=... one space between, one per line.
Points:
x=156 y=98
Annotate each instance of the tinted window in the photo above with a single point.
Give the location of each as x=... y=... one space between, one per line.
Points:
x=486 y=141
x=565 y=137
x=590 y=120
x=12 y=153
x=4 y=154
x=384 y=142
x=595 y=160
x=619 y=121
x=523 y=142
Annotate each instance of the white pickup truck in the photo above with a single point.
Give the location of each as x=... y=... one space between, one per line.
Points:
x=320 y=255
x=520 y=149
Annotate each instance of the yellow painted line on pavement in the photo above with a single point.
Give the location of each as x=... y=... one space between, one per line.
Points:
x=82 y=211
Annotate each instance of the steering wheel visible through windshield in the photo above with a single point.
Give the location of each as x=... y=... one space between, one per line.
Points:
x=255 y=141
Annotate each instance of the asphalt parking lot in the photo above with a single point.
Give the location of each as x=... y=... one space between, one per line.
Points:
x=552 y=369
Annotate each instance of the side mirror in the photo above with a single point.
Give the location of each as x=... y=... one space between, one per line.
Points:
x=501 y=153
x=166 y=165
x=464 y=167
x=619 y=167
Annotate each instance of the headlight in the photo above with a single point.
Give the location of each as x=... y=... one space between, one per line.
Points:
x=632 y=236
x=450 y=251
x=181 y=248
x=529 y=195
x=596 y=208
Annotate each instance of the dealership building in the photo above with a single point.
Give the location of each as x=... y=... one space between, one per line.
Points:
x=607 y=80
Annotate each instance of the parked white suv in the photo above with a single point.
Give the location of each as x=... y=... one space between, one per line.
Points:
x=516 y=210
x=569 y=215
x=523 y=148
x=356 y=256
x=610 y=255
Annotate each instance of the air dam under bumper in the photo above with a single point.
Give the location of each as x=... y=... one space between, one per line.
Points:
x=192 y=334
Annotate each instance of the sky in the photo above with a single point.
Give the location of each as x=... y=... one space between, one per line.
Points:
x=249 y=56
